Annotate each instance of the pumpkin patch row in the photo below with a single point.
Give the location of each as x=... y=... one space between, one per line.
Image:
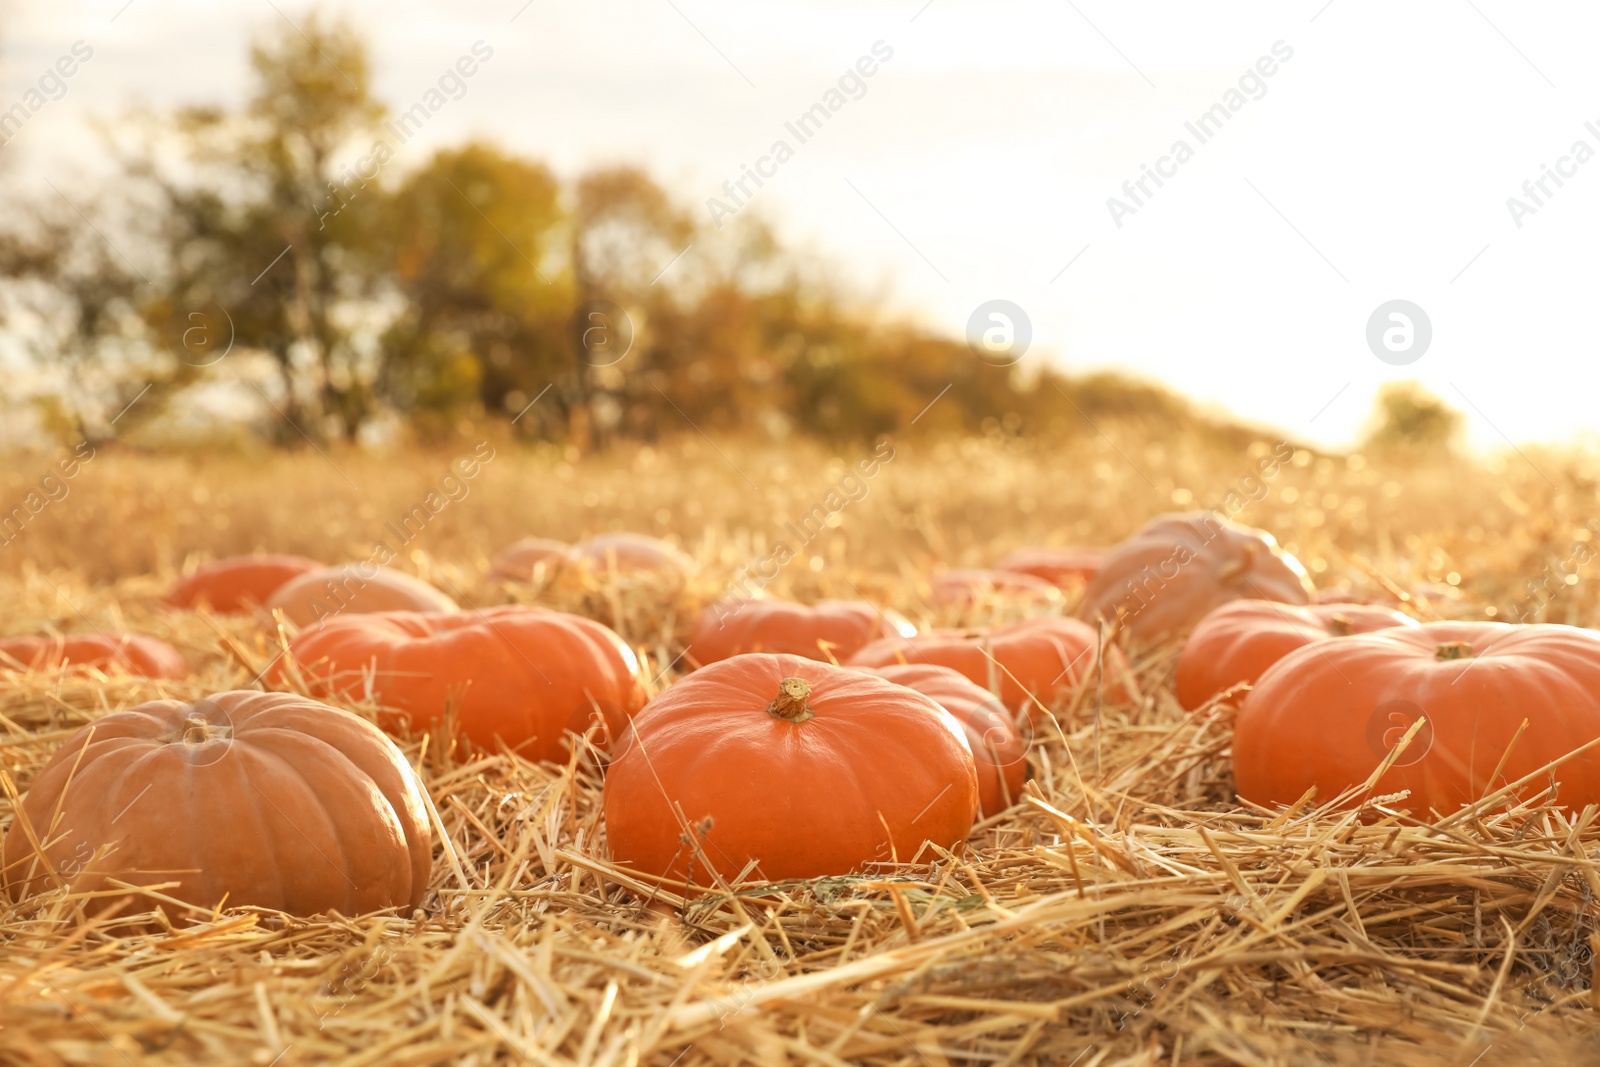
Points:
x=613 y=553
x=800 y=741
x=1178 y=566
x=816 y=785
x=306 y=589
x=826 y=771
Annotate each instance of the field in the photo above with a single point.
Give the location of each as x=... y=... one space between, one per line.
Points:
x=1129 y=910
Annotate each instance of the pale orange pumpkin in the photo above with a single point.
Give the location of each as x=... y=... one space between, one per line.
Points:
x=963 y=587
x=1043 y=658
x=998 y=749
x=252 y=799
x=521 y=676
x=1236 y=644
x=803 y=769
x=1347 y=596
x=827 y=630
x=234 y=585
x=1071 y=565
x=355 y=589
x=1179 y=567
x=1328 y=714
x=631 y=553
x=114 y=653
x=524 y=560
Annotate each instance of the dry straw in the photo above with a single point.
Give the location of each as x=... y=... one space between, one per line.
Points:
x=1127 y=910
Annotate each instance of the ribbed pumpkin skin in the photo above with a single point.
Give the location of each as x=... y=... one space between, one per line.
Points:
x=751 y=624
x=1046 y=657
x=626 y=553
x=116 y=653
x=1180 y=567
x=1326 y=715
x=232 y=586
x=965 y=586
x=518 y=561
x=1073 y=564
x=522 y=675
x=806 y=799
x=997 y=749
x=298 y=807
x=1239 y=641
x=355 y=589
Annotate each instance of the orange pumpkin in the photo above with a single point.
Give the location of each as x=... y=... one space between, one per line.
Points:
x=1326 y=715
x=997 y=748
x=1180 y=567
x=259 y=799
x=1239 y=641
x=803 y=768
x=1047 y=657
x=234 y=585
x=1066 y=566
x=631 y=553
x=519 y=675
x=116 y=653
x=964 y=587
x=828 y=630
x=522 y=560
x=355 y=589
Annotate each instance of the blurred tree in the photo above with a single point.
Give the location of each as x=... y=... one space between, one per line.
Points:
x=460 y=287
x=468 y=238
x=70 y=297
x=625 y=232
x=1407 y=418
x=261 y=239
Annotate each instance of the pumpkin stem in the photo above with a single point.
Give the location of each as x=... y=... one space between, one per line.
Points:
x=1235 y=567
x=1339 y=626
x=196 y=731
x=790 y=704
x=1453 y=650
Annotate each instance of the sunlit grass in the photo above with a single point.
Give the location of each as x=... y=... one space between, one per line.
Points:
x=1483 y=527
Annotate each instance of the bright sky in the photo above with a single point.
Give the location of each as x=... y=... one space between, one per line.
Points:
x=1375 y=166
